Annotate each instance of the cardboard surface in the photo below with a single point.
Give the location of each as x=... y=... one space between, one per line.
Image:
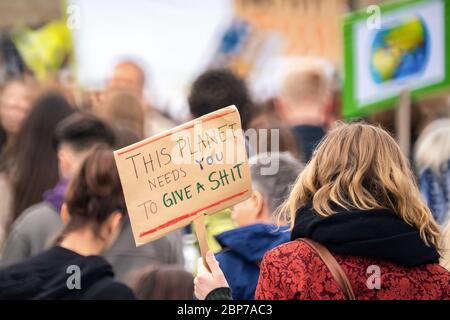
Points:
x=197 y=168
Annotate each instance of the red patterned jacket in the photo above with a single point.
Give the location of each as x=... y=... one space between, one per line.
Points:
x=294 y=271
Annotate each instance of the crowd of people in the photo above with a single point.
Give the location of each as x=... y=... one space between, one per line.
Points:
x=345 y=186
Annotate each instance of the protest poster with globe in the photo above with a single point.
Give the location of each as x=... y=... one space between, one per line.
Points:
x=409 y=49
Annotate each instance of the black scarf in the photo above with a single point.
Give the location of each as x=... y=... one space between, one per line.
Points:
x=377 y=233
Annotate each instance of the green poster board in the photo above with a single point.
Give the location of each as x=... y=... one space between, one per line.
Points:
x=408 y=49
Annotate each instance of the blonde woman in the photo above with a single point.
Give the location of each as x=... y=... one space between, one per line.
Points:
x=357 y=197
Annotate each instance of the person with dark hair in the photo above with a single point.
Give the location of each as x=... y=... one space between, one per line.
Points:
x=73 y=269
x=34 y=151
x=163 y=282
x=125 y=134
x=74 y=137
x=123 y=255
x=15 y=106
x=80 y=132
x=39 y=225
x=32 y=165
x=212 y=90
x=220 y=88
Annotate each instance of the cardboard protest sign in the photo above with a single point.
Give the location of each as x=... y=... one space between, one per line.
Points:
x=197 y=168
x=407 y=49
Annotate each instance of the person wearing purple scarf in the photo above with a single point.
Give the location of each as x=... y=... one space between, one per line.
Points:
x=55 y=196
x=35 y=229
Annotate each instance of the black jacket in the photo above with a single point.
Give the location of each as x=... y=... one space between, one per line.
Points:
x=308 y=137
x=222 y=293
x=52 y=275
x=376 y=233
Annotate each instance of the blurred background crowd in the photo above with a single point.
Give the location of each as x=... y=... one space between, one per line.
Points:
x=77 y=73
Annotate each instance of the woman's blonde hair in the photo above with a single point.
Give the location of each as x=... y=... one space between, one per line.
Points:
x=360 y=166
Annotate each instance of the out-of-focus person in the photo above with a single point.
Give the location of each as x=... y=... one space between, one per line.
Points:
x=271 y=133
x=30 y=167
x=73 y=269
x=212 y=90
x=245 y=246
x=36 y=229
x=304 y=99
x=431 y=108
x=15 y=105
x=218 y=88
x=125 y=135
x=123 y=255
x=33 y=231
x=432 y=160
x=123 y=107
x=163 y=282
x=130 y=76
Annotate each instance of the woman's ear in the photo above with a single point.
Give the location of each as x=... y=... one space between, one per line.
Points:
x=111 y=228
x=113 y=223
x=281 y=107
x=64 y=161
x=259 y=203
x=116 y=220
x=65 y=215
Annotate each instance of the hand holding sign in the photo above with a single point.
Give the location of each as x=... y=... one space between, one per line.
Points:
x=175 y=177
x=209 y=277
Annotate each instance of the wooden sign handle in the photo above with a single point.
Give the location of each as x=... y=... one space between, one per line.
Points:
x=200 y=231
x=403 y=122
